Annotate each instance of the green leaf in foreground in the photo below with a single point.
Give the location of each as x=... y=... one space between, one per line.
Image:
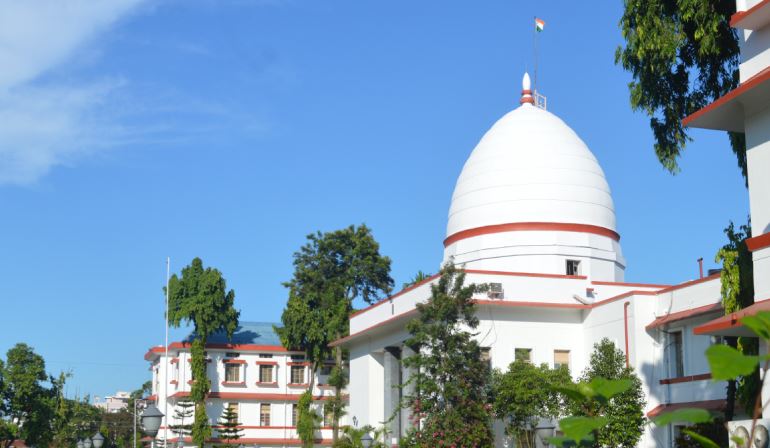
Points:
x=728 y=363
x=759 y=324
x=577 y=428
x=705 y=442
x=690 y=415
x=609 y=388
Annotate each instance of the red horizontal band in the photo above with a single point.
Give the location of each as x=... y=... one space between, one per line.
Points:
x=531 y=226
x=758 y=242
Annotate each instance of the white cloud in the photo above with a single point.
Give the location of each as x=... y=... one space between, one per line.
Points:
x=42 y=126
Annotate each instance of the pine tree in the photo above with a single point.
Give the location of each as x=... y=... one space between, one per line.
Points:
x=183 y=411
x=228 y=427
x=450 y=403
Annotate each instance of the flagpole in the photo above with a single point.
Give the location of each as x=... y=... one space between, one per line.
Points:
x=165 y=369
x=534 y=44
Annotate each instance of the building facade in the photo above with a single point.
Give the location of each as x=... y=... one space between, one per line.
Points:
x=114 y=403
x=252 y=374
x=745 y=109
x=532 y=216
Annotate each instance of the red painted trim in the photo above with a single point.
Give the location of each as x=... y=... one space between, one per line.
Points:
x=298 y=363
x=531 y=226
x=233 y=383
x=525 y=274
x=710 y=405
x=638 y=285
x=266 y=363
x=732 y=320
x=736 y=18
x=686 y=379
x=152 y=398
x=174 y=361
x=745 y=87
x=236 y=347
x=270 y=384
x=532 y=304
x=685 y=314
x=690 y=283
x=403 y=291
x=623 y=296
x=174 y=382
x=189 y=360
x=625 y=329
x=380 y=324
x=758 y=242
x=233 y=361
x=253 y=396
x=297 y=385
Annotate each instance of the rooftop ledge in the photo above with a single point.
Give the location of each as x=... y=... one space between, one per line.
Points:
x=754 y=18
x=728 y=112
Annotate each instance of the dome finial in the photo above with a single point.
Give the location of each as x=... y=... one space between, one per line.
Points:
x=526 y=90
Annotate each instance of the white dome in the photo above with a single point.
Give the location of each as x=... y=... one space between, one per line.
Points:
x=530 y=167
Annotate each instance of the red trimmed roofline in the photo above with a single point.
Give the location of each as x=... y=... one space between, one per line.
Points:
x=744 y=87
x=253 y=396
x=690 y=283
x=732 y=320
x=710 y=405
x=531 y=226
x=739 y=16
x=403 y=291
x=639 y=285
x=240 y=347
x=758 y=242
x=685 y=314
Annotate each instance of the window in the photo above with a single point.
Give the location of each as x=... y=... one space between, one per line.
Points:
x=328 y=417
x=233 y=407
x=326 y=370
x=523 y=354
x=561 y=359
x=265 y=355
x=675 y=354
x=298 y=374
x=233 y=373
x=294 y=415
x=573 y=267
x=486 y=356
x=265 y=374
x=297 y=358
x=264 y=414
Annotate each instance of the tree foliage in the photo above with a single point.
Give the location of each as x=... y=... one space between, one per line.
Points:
x=351 y=437
x=229 y=430
x=737 y=290
x=308 y=420
x=418 y=278
x=682 y=55
x=183 y=411
x=526 y=394
x=200 y=297
x=330 y=271
x=450 y=400
x=28 y=397
x=624 y=411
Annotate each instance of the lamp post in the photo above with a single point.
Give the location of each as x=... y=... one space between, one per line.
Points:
x=151 y=419
x=98 y=440
x=366 y=440
x=79 y=444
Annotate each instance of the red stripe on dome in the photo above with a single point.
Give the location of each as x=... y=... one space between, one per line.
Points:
x=531 y=226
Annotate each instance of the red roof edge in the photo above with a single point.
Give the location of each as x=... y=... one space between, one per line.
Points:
x=736 y=18
x=709 y=405
x=758 y=242
x=685 y=314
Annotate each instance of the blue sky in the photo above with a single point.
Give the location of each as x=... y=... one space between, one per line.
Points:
x=133 y=130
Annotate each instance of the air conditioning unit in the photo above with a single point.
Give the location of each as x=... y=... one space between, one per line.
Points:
x=741 y=429
x=495 y=291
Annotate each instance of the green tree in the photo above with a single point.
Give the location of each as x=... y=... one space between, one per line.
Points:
x=623 y=412
x=27 y=405
x=351 y=437
x=450 y=398
x=228 y=427
x=418 y=277
x=526 y=394
x=330 y=271
x=308 y=420
x=184 y=409
x=682 y=55
x=737 y=290
x=200 y=297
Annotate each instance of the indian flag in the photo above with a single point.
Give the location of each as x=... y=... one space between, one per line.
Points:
x=539 y=24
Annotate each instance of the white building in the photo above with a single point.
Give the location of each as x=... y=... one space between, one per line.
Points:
x=114 y=403
x=533 y=216
x=745 y=109
x=253 y=374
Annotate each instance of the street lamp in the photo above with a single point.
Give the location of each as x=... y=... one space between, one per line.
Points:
x=80 y=443
x=366 y=440
x=87 y=442
x=151 y=418
x=98 y=440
